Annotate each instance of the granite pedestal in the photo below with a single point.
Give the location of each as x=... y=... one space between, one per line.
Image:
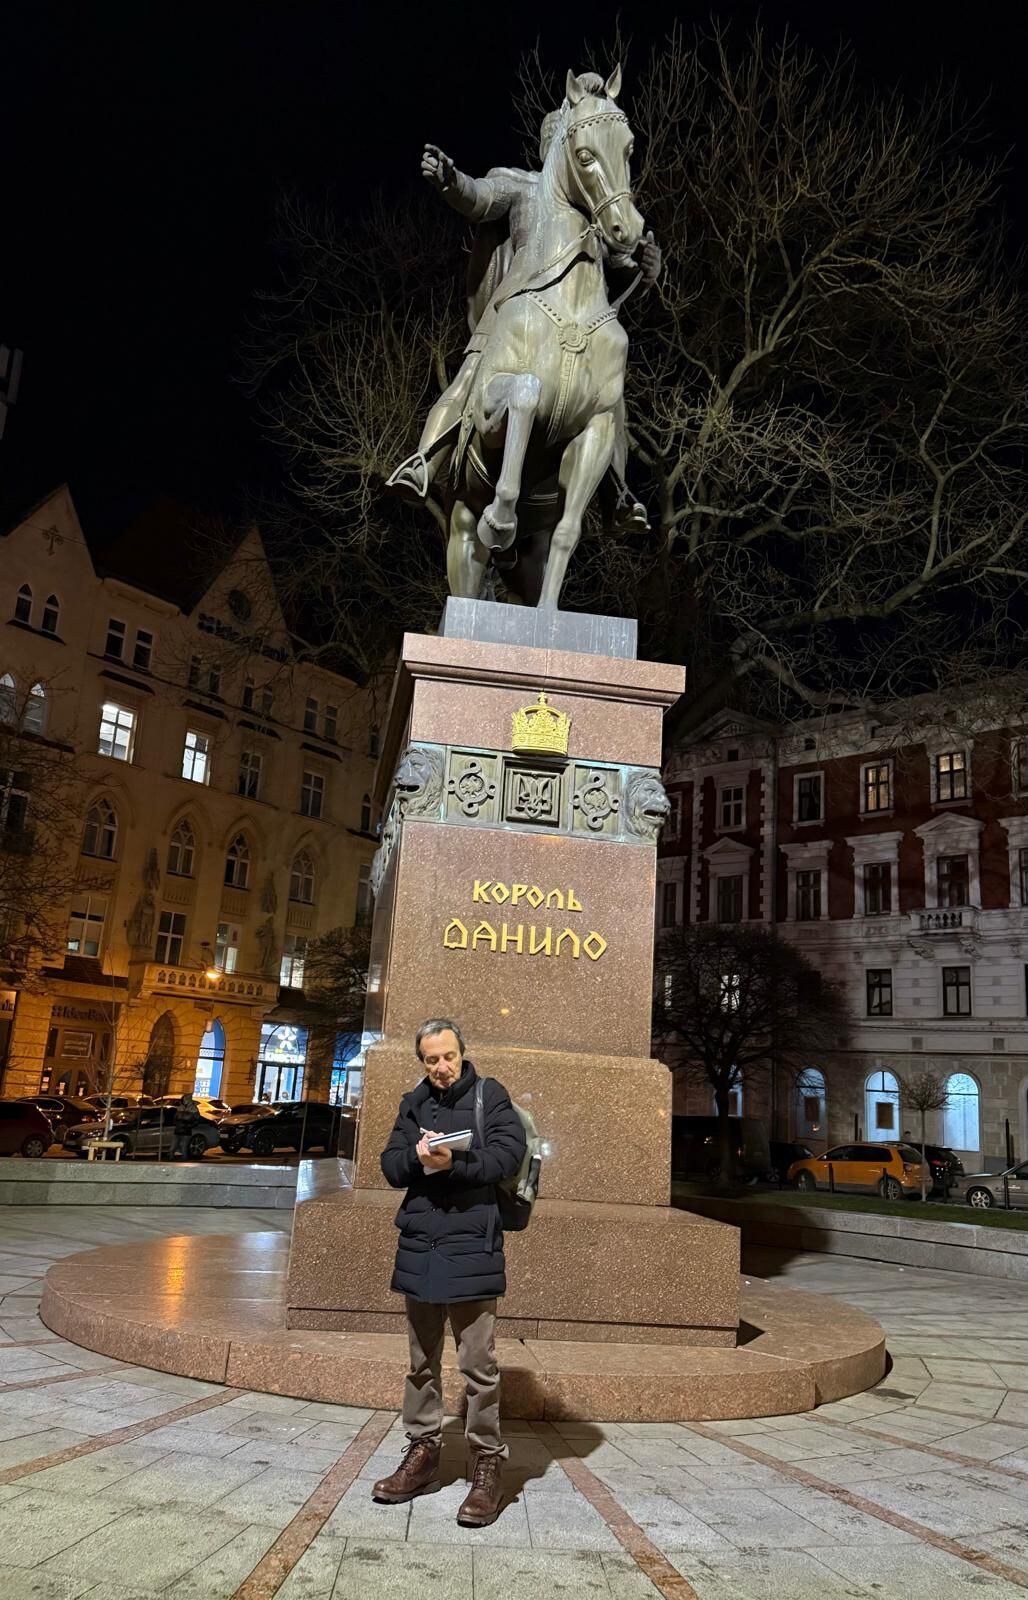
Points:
x=515 y=892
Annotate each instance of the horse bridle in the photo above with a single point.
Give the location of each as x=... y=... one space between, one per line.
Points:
x=565 y=138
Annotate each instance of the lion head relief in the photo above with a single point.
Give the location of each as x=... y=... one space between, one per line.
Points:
x=646 y=806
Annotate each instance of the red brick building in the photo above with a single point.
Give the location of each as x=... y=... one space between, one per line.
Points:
x=895 y=854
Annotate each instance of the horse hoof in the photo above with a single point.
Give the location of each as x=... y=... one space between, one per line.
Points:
x=495 y=534
x=410 y=480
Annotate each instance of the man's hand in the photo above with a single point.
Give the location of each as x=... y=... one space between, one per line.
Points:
x=437 y=168
x=434 y=1160
x=649 y=260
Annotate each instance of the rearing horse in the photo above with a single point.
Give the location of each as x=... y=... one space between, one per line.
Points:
x=538 y=432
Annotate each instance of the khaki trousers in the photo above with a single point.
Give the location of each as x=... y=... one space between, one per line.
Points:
x=474 y=1329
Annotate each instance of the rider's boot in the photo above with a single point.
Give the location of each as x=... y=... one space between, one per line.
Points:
x=630 y=515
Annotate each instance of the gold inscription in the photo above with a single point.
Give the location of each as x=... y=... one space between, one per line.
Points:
x=519 y=938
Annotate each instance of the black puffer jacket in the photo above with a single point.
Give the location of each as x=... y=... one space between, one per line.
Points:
x=451 y=1241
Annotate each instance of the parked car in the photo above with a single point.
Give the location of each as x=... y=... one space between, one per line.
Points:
x=784 y=1154
x=946 y=1166
x=891 y=1170
x=149 y=1130
x=119 y=1102
x=209 y=1107
x=985 y=1189
x=696 y=1152
x=61 y=1111
x=24 y=1128
x=292 y=1125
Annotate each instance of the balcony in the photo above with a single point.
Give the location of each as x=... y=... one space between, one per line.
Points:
x=945 y=920
x=235 y=988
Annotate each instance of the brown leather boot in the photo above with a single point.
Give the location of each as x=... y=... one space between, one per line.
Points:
x=485 y=1498
x=418 y=1473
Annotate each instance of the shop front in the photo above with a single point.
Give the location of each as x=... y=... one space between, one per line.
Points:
x=78 y=1049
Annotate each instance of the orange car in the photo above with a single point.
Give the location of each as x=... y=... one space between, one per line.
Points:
x=891 y=1170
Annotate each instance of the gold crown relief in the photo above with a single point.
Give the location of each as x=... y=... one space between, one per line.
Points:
x=540 y=729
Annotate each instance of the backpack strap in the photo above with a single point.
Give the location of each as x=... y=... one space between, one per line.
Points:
x=480 y=1113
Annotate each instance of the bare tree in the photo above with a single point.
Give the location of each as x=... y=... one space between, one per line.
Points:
x=827 y=395
x=335 y=981
x=924 y=1092
x=736 y=1000
x=40 y=819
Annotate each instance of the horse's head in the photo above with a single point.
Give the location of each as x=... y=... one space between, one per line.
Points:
x=597 y=145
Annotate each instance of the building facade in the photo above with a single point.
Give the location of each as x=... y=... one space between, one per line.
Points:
x=895 y=855
x=222 y=816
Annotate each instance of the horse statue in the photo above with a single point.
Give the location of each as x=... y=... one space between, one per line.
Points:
x=531 y=424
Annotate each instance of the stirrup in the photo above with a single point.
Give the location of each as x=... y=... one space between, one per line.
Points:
x=410 y=481
x=630 y=515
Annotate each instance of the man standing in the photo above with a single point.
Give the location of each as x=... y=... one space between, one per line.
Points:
x=187 y=1115
x=449 y=1263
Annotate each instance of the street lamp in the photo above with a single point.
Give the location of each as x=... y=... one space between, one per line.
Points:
x=212 y=972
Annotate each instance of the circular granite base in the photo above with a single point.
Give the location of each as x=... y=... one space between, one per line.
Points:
x=214 y=1308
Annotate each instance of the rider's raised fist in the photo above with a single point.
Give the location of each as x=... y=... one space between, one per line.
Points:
x=437 y=167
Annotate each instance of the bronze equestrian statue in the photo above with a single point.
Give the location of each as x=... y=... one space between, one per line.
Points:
x=534 y=420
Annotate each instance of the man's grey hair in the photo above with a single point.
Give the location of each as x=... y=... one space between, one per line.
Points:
x=437 y=1025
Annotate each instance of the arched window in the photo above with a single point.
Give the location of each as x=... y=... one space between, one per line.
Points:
x=734 y=1101
x=961 y=1118
x=881 y=1106
x=237 y=863
x=160 y=1056
x=810 y=1104
x=211 y=1060
x=23 y=604
x=8 y=699
x=301 y=879
x=34 y=717
x=366 y=814
x=51 y=614
x=181 y=848
x=100 y=836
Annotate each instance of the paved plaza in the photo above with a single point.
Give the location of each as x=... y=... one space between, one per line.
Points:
x=120 y=1483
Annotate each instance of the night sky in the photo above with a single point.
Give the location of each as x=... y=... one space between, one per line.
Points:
x=144 y=144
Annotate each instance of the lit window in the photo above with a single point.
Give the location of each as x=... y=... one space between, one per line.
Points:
x=248 y=781
x=951 y=775
x=117 y=731
x=23 y=604
x=366 y=814
x=365 y=900
x=171 y=930
x=669 y=905
x=14 y=802
x=953 y=881
x=237 y=863
x=809 y=797
x=878 y=888
x=51 y=620
x=962 y=1122
x=196 y=757
x=879 y=991
x=731 y=990
x=181 y=849
x=876 y=792
x=729 y=898
x=293 y=957
x=331 y=722
x=956 y=991
x=114 y=645
x=100 y=836
x=34 y=717
x=142 y=655
x=8 y=700
x=732 y=807
x=301 y=879
x=808 y=896
x=310 y=716
x=312 y=794
x=86 y=925
x=226 y=947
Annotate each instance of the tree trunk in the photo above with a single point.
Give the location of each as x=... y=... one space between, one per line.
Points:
x=924 y=1161
x=726 y=1153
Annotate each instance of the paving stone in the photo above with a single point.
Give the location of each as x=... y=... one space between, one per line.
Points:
x=39 y=1523
x=915 y=1570
x=272 y=1498
x=21 y=1583
x=401 y=1571
x=157 y=1548
x=772 y=1575
x=531 y=1574
x=314 y=1576
x=433 y=1520
x=557 y=1524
